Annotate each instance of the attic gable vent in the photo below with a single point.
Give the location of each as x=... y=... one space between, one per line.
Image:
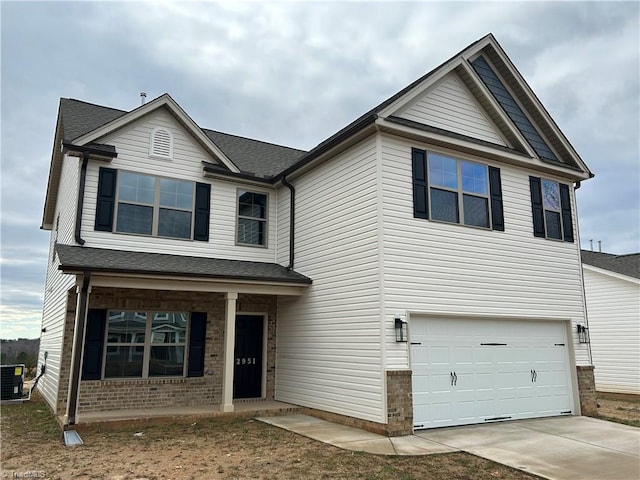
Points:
x=161 y=144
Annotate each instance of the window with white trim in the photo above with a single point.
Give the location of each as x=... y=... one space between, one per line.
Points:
x=161 y=143
x=252 y=218
x=145 y=344
x=149 y=205
x=458 y=190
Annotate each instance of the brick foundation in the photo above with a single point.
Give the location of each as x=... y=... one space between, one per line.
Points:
x=399 y=403
x=587 y=391
x=116 y=394
x=368 y=425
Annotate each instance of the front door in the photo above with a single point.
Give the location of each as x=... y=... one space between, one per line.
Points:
x=247 y=374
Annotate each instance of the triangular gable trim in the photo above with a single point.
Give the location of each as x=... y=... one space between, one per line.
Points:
x=449 y=105
x=166 y=101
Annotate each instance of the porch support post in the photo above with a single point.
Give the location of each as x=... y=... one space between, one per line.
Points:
x=78 y=349
x=229 y=351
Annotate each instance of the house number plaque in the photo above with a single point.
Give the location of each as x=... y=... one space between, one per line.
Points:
x=246 y=361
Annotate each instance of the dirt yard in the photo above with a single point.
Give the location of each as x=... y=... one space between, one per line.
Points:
x=620 y=408
x=32 y=447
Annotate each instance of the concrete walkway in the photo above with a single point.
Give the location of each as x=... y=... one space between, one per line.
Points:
x=559 y=448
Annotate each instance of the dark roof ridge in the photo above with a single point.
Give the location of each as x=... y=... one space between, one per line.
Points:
x=253 y=139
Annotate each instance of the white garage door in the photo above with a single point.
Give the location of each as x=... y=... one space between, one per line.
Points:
x=480 y=371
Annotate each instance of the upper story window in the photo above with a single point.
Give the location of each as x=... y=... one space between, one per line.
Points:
x=452 y=190
x=551 y=209
x=143 y=204
x=161 y=143
x=252 y=218
x=149 y=205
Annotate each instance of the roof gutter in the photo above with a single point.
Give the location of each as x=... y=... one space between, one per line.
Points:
x=292 y=221
x=78 y=347
x=80 y=202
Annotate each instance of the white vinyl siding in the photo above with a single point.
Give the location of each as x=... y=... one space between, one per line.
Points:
x=132 y=145
x=613 y=309
x=328 y=341
x=433 y=267
x=449 y=106
x=283 y=226
x=57 y=284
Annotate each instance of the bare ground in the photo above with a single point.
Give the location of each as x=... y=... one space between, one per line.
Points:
x=226 y=449
x=619 y=408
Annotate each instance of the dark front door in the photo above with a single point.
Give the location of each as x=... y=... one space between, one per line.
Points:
x=247 y=374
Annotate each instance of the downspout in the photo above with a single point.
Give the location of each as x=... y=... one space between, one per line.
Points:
x=80 y=204
x=292 y=221
x=78 y=347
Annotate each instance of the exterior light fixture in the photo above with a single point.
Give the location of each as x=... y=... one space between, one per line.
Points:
x=583 y=333
x=401 y=330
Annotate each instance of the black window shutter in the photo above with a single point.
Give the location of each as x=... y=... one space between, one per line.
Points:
x=495 y=190
x=567 y=220
x=536 y=206
x=201 y=220
x=106 y=199
x=197 y=339
x=419 y=173
x=94 y=344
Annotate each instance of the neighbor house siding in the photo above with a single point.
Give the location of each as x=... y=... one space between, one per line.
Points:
x=448 y=105
x=57 y=284
x=132 y=145
x=328 y=341
x=432 y=267
x=613 y=308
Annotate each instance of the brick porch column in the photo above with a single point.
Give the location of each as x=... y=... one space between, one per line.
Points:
x=229 y=350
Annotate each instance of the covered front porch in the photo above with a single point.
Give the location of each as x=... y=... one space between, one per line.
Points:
x=198 y=340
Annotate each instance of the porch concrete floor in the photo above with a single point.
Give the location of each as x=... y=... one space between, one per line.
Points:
x=263 y=408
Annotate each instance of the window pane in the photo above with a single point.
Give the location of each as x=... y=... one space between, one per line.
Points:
x=552 y=222
x=251 y=231
x=252 y=205
x=126 y=327
x=444 y=205
x=443 y=171
x=550 y=195
x=174 y=223
x=136 y=188
x=124 y=361
x=169 y=327
x=476 y=211
x=134 y=219
x=474 y=178
x=166 y=361
x=176 y=193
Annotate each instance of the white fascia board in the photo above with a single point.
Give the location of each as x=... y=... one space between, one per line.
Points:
x=491 y=99
x=543 y=111
x=512 y=158
x=164 y=100
x=609 y=273
x=155 y=282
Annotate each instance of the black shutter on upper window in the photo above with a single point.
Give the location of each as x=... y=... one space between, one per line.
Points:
x=495 y=191
x=106 y=201
x=420 y=184
x=567 y=220
x=536 y=206
x=201 y=217
x=197 y=340
x=94 y=344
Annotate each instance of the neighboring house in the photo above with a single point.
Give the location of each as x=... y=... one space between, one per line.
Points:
x=612 y=291
x=419 y=268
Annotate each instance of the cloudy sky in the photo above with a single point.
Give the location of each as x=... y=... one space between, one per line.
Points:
x=294 y=73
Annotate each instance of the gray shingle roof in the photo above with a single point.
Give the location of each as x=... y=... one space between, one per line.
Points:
x=628 y=264
x=74 y=258
x=261 y=159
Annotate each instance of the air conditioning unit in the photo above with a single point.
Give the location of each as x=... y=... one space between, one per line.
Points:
x=11 y=381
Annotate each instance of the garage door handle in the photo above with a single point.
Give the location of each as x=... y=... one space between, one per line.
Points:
x=534 y=376
x=454 y=378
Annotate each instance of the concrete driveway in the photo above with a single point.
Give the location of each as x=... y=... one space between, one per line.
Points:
x=562 y=448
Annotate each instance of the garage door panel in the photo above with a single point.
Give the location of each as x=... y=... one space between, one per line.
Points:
x=502 y=369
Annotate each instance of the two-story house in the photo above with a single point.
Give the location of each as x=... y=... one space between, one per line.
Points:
x=419 y=268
